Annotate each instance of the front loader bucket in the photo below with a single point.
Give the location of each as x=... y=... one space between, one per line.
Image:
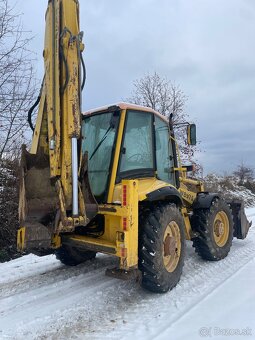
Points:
x=241 y=223
x=38 y=202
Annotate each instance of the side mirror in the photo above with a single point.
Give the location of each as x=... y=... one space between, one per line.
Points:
x=191 y=134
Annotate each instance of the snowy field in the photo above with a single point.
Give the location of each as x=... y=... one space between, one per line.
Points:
x=42 y=299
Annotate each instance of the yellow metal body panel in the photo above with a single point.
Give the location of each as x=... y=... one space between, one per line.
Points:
x=107 y=246
x=187 y=195
x=120 y=236
x=70 y=99
x=188 y=230
x=146 y=186
x=189 y=189
x=21 y=239
x=116 y=157
x=52 y=83
x=130 y=241
x=56 y=241
x=61 y=110
x=117 y=241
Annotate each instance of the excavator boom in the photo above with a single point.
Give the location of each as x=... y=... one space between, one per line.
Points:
x=51 y=194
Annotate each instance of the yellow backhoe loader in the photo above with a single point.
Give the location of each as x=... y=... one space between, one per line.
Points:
x=110 y=180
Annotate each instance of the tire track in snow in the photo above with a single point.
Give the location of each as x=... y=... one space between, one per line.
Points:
x=199 y=279
x=162 y=332
x=81 y=303
x=44 y=305
x=137 y=313
x=60 y=272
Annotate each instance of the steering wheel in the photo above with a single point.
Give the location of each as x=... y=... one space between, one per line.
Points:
x=137 y=157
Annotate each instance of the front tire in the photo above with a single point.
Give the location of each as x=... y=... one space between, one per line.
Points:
x=161 y=247
x=215 y=229
x=72 y=256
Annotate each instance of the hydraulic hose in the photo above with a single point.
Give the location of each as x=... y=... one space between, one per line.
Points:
x=62 y=56
x=83 y=71
x=30 y=111
x=29 y=115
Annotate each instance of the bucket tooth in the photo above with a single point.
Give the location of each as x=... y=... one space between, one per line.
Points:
x=34 y=238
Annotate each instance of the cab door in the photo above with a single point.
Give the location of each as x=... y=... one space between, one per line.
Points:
x=137 y=157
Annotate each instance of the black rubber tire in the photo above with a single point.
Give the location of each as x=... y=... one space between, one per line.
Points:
x=202 y=222
x=152 y=226
x=73 y=256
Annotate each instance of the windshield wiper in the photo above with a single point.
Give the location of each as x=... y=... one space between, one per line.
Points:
x=101 y=141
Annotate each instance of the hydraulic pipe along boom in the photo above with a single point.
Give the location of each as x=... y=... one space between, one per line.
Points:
x=75 y=177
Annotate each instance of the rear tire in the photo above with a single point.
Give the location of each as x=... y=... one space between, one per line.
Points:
x=73 y=256
x=161 y=247
x=215 y=229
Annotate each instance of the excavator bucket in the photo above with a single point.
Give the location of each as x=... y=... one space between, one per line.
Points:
x=38 y=202
x=241 y=223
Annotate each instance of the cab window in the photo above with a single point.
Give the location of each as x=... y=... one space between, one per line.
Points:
x=99 y=133
x=164 y=153
x=137 y=145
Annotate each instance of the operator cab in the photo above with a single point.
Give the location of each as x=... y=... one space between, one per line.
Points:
x=126 y=141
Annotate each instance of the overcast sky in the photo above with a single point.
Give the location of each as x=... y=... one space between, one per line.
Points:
x=205 y=46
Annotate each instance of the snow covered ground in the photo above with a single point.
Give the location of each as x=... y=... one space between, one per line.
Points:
x=42 y=299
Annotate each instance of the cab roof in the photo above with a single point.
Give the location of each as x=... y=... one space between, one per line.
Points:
x=124 y=106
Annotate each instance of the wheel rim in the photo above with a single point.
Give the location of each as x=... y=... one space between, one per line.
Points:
x=171 y=246
x=221 y=228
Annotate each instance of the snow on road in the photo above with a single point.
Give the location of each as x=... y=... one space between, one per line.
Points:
x=42 y=299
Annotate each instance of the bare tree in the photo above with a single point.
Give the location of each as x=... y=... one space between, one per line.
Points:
x=17 y=88
x=9 y=184
x=17 y=85
x=244 y=173
x=161 y=95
